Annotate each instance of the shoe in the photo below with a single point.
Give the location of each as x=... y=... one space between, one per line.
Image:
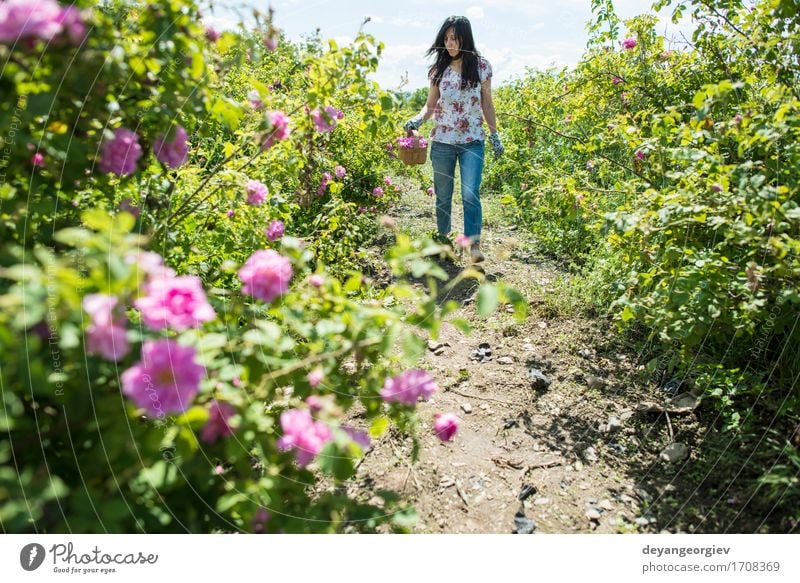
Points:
x=475 y=253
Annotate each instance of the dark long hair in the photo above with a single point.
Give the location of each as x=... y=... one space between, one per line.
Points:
x=469 y=55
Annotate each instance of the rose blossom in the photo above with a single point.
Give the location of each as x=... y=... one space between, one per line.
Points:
x=275 y=230
x=301 y=433
x=165 y=380
x=409 y=386
x=278 y=128
x=445 y=425
x=173 y=153
x=256 y=192
x=178 y=303
x=315 y=377
x=217 y=425
x=105 y=335
x=265 y=275
x=120 y=154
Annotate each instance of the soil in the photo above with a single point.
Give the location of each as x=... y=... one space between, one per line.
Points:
x=579 y=453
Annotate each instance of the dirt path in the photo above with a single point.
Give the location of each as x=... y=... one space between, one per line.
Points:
x=578 y=452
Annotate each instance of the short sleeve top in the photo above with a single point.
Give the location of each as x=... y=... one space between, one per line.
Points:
x=458 y=116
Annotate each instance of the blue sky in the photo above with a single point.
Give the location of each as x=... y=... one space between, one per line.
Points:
x=512 y=34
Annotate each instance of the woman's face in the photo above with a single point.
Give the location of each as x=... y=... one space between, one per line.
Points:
x=451 y=42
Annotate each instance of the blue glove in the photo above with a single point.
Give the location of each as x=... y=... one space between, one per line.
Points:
x=497 y=145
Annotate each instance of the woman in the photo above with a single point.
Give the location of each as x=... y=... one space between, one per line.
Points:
x=459 y=98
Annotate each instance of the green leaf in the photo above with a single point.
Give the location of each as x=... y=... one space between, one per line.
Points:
x=379 y=426
x=488 y=298
x=627 y=314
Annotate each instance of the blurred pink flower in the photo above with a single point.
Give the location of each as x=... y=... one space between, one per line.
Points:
x=316 y=280
x=275 y=230
x=106 y=333
x=21 y=19
x=340 y=171
x=217 y=425
x=166 y=380
x=315 y=377
x=301 y=433
x=377 y=191
x=178 y=303
x=629 y=43
x=408 y=387
x=265 y=275
x=462 y=241
x=255 y=99
x=173 y=153
x=445 y=425
x=278 y=128
x=120 y=154
x=256 y=192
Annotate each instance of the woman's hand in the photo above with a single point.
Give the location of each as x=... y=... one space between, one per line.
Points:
x=412 y=124
x=497 y=145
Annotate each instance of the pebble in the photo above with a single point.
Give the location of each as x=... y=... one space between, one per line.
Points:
x=605 y=504
x=466 y=407
x=505 y=360
x=595 y=382
x=541 y=501
x=485 y=406
x=590 y=455
x=675 y=452
x=593 y=514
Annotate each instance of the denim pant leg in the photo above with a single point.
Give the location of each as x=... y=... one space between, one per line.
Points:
x=443 y=160
x=470 y=159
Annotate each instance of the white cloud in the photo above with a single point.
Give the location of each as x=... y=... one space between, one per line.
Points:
x=474 y=12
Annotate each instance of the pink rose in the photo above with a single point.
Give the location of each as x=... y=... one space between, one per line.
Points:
x=445 y=425
x=265 y=275
x=178 y=303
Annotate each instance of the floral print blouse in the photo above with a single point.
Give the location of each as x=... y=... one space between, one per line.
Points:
x=458 y=115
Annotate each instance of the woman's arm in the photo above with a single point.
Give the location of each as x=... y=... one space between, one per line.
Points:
x=430 y=106
x=487 y=105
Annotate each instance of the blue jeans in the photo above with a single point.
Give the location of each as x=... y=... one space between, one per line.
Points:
x=470 y=161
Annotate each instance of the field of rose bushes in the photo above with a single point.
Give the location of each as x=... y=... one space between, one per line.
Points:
x=186 y=315
x=666 y=177
x=184 y=322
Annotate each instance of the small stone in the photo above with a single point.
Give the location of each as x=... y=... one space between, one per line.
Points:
x=538 y=379
x=605 y=504
x=595 y=382
x=433 y=345
x=578 y=466
x=586 y=353
x=593 y=514
x=641 y=521
x=541 y=501
x=614 y=423
x=466 y=407
x=584 y=486
x=505 y=360
x=674 y=453
x=643 y=494
x=590 y=455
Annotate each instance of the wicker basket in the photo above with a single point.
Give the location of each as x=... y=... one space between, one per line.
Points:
x=416 y=154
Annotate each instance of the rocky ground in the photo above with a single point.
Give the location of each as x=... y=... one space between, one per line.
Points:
x=560 y=431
